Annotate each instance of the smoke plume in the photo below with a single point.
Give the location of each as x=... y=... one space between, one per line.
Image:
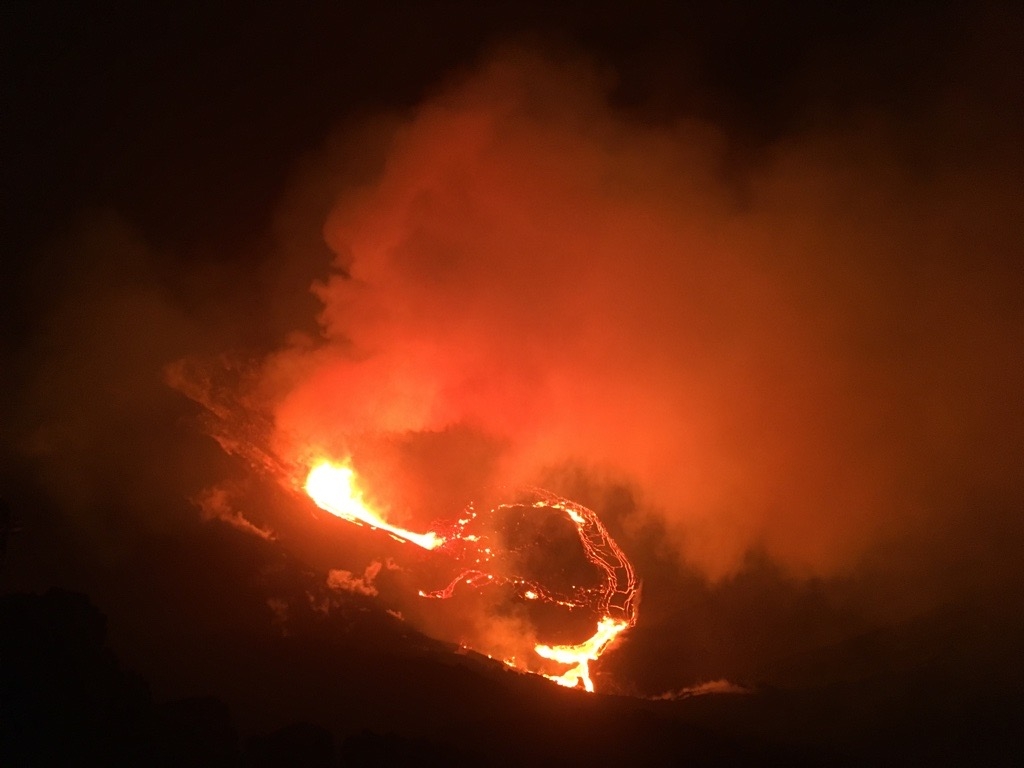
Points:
x=805 y=357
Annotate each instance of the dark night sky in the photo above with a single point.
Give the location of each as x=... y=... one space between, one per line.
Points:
x=829 y=515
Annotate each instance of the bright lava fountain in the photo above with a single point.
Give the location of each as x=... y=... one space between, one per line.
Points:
x=334 y=488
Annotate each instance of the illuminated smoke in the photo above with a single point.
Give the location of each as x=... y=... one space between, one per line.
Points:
x=586 y=290
x=807 y=357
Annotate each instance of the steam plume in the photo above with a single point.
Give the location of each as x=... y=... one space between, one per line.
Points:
x=787 y=359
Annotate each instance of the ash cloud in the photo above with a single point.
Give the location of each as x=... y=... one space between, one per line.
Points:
x=812 y=357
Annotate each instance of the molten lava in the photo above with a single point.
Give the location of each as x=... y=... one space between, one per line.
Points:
x=334 y=488
x=580 y=656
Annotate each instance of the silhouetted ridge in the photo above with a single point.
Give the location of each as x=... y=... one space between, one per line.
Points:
x=65 y=700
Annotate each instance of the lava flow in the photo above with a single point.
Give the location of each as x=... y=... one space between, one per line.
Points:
x=333 y=488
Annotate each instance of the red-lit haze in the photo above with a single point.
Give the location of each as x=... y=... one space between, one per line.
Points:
x=761 y=357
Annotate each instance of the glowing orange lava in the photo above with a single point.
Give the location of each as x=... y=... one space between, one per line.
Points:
x=580 y=656
x=334 y=488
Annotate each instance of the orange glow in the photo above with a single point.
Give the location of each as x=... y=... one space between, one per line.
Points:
x=333 y=488
x=580 y=656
